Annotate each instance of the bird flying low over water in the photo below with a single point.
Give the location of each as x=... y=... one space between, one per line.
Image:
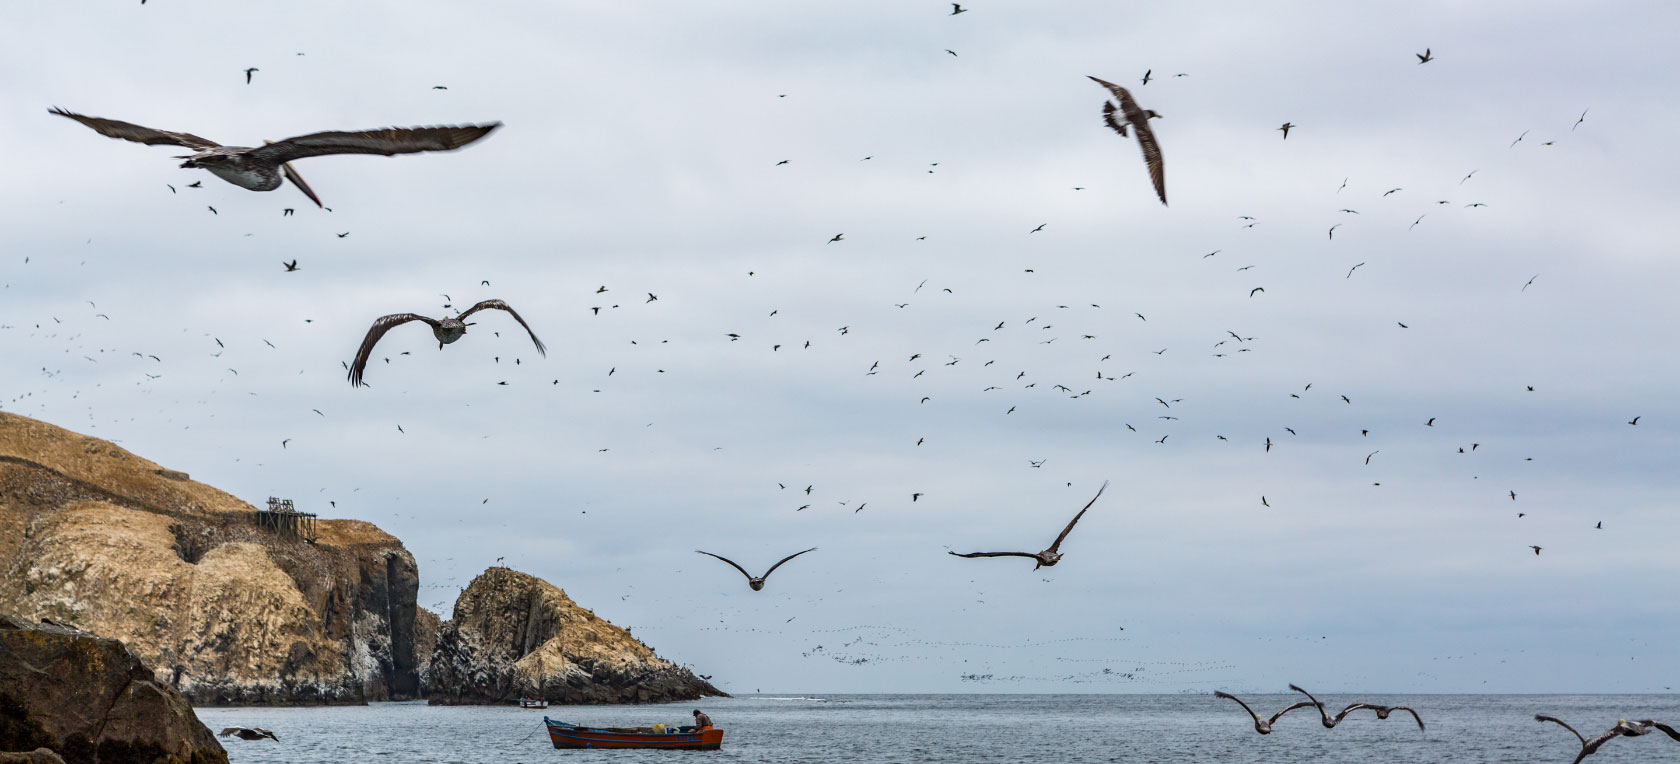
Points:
x=757 y=582
x=262 y=168
x=248 y=733
x=1048 y=557
x=445 y=330
x=1139 y=120
x=1623 y=728
x=1330 y=722
x=1263 y=726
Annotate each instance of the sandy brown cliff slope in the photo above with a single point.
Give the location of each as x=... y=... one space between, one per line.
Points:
x=222 y=610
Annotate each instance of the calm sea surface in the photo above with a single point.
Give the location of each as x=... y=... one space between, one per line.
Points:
x=1462 y=729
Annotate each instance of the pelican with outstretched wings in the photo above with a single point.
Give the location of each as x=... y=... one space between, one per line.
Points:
x=446 y=330
x=1138 y=119
x=1623 y=728
x=248 y=733
x=756 y=582
x=1330 y=722
x=1264 y=726
x=1048 y=557
x=262 y=168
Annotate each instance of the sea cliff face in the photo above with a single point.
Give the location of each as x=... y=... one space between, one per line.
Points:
x=513 y=635
x=222 y=610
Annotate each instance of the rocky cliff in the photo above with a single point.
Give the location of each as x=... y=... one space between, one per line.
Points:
x=91 y=701
x=224 y=611
x=514 y=635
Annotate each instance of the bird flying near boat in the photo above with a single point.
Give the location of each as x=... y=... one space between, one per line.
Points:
x=262 y=168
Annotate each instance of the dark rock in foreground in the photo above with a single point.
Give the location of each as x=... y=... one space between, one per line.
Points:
x=514 y=635
x=92 y=701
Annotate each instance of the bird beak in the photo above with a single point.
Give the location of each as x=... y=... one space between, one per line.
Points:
x=297 y=180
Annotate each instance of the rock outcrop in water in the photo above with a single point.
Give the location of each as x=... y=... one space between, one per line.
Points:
x=514 y=635
x=224 y=611
x=90 y=700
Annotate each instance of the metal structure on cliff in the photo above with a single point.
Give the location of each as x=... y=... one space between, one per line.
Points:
x=281 y=518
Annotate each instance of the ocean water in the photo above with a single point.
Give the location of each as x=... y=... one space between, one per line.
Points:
x=1056 y=729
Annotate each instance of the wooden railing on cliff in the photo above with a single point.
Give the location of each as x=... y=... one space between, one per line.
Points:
x=281 y=518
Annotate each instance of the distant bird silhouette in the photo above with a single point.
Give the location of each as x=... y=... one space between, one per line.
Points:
x=248 y=73
x=262 y=168
x=1531 y=546
x=446 y=331
x=1138 y=119
x=291 y=266
x=248 y=733
x=1519 y=139
x=1578 y=122
x=757 y=582
x=1425 y=57
x=1263 y=726
x=1048 y=557
x=1634 y=421
x=1287 y=126
x=837 y=237
x=956 y=9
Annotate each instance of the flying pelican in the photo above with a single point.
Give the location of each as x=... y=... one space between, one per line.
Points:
x=262 y=168
x=1139 y=119
x=1263 y=726
x=1623 y=728
x=446 y=330
x=1330 y=722
x=1048 y=557
x=757 y=582
x=249 y=733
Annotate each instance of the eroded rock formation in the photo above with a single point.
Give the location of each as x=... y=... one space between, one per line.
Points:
x=224 y=611
x=90 y=700
x=514 y=635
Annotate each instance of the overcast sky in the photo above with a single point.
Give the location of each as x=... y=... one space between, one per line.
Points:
x=641 y=152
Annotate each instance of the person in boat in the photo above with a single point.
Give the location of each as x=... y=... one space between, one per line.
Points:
x=701 y=721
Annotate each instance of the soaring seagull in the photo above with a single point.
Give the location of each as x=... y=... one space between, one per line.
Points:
x=261 y=168
x=1138 y=119
x=248 y=733
x=756 y=582
x=445 y=330
x=1048 y=557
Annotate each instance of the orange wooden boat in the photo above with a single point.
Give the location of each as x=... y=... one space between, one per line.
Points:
x=565 y=735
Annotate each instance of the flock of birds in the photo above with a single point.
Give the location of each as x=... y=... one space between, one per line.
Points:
x=267 y=167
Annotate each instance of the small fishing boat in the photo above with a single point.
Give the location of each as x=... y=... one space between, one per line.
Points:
x=532 y=703
x=566 y=735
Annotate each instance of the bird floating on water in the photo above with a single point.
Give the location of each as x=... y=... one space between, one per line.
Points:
x=262 y=168
x=1049 y=557
x=757 y=582
x=446 y=330
x=1139 y=120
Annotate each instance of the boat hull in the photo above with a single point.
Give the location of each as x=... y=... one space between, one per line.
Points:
x=571 y=736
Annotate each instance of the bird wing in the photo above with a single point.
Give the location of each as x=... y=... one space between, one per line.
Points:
x=1415 y=716
x=1352 y=707
x=1314 y=702
x=386 y=141
x=1229 y=696
x=1292 y=707
x=129 y=131
x=1075 y=519
x=1560 y=723
x=1113 y=124
x=732 y=563
x=996 y=554
x=1666 y=730
x=499 y=305
x=229 y=731
x=785 y=559
x=380 y=326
